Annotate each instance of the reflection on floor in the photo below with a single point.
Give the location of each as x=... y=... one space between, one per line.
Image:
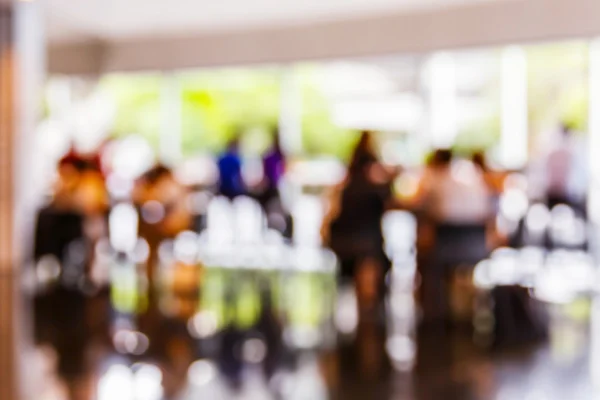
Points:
x=88 y=350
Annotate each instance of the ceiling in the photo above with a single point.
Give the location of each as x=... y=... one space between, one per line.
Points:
x=101 y=36
x=69 y=21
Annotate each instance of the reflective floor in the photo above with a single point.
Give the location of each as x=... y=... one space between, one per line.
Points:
x=255 y=332
x=89 y=349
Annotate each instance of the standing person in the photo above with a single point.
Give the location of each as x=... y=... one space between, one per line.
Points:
x=356 y=235
x=231 y=181
x=459 y=204
x=274 y=168
x=274 y=164
x=565 y=180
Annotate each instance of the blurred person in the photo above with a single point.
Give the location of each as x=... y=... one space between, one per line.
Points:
x=269 y=328
x=457 y=202
x=495 y=182
x=75 y=218
x=566 y=171
x=456 y=192
x=355 y=233
x=274 y=164
x=364 y=359
x=163 y=204
x=274 y=168
x=88 y=160
x=231 y=181
x=480 y=162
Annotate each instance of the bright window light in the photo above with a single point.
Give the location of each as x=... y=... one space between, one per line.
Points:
x=514 y=140
x=442 y=79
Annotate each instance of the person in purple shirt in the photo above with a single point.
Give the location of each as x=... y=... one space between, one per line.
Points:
x=274 y=168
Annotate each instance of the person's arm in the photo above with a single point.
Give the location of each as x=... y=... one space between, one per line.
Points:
x=332 y=211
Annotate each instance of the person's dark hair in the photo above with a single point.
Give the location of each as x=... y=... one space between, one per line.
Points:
x=276 y=145
x=363 y=155
x=441 y=158
x=79 y=164
x=155 y=173
x=479 y=160
x=234 y=143
x=566 y=129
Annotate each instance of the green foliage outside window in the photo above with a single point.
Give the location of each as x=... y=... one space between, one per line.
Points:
x=218 y=105
x=137 y=101
x=321 y=136
x=558 y=91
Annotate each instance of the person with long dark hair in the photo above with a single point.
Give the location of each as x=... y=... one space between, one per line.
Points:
x=356 y=234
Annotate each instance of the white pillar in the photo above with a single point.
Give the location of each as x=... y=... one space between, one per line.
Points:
x=514 y=142
x=170 y=150
x=443 y=107
x=594 y=132
x=290 y=119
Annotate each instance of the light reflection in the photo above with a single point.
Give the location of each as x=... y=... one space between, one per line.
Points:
x=513 y=204
x=185 y=247
x=346 y=313
x=141 y=382
x=153 y=212
x=116 y=384
x=254 y=351
x=148 y=382
x=130 y=342
x=123 y=227
x=201 y=372
x=203 y=324
x=481 y=276
x=401 y=350
x=550 y=287
x=595 y=343
x=538 y=218
x=47 y=269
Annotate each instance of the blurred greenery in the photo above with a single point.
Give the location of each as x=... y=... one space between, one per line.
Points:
x=219 y=104
x=558 y=92
x=482 y=131
x=319 y=133
x=137 y=100
x=481 y=135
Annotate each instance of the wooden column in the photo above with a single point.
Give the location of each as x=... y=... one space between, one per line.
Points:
x=22 y=65
x=8 y=333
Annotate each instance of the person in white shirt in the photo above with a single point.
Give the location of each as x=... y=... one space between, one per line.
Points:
x=459 y=203
x=565 y=176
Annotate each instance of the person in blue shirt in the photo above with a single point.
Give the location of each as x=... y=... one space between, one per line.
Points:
x=231 y=182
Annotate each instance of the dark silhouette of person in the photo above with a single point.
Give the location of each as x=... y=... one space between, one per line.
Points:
x=356 y=234
x=274 y=168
